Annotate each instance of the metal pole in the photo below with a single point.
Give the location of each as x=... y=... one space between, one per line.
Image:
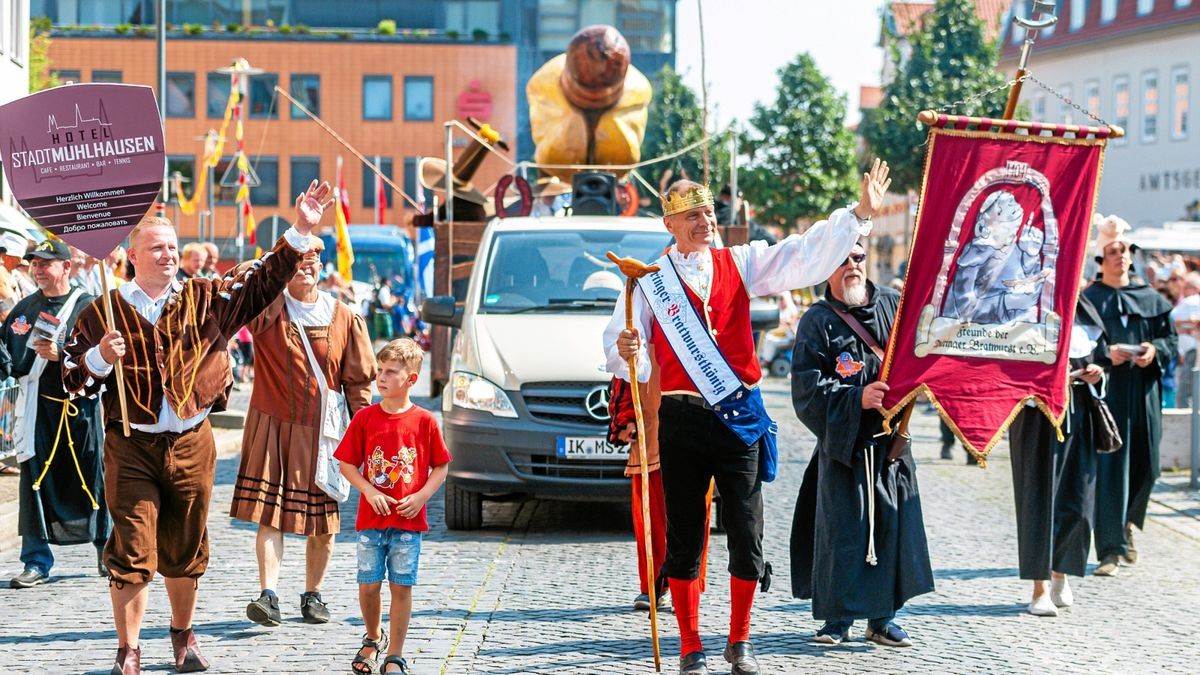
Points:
x=212 y=204
x=1195 y=463
x=449 y=173
x=161 y=40
x=733 y=171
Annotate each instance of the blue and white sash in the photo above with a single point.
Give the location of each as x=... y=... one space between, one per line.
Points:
x=740 y=408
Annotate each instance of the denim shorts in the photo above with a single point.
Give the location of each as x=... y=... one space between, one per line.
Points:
x=395 y=551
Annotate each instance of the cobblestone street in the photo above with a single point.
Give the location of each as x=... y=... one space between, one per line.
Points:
x=547 y=588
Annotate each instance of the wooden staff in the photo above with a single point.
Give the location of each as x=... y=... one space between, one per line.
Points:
x=633 y=270
x=108 y=317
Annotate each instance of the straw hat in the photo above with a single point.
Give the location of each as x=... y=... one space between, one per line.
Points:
x=550 y=186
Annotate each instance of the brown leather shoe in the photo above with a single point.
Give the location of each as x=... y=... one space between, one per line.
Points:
x=188 y=658
x=129 y=662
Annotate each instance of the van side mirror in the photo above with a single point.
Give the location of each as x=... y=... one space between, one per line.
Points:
x=442 y=310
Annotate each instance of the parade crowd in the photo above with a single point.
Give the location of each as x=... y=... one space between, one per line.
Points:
x=117 y=451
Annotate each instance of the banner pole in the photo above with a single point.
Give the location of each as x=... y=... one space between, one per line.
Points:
x=1045 y=8
x=108 y=317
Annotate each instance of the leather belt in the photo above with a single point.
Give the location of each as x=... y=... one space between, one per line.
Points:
x=689 y=400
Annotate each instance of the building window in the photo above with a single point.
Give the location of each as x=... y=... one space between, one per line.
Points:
x=304 y=171
x=307 y=90
x=1149 y=107
x=1091 y=97
x=218 y=94
x=1180 y=4
x=65 y=76
x=1064 y=108
x=181 y=95
x=377 y=97
x=1144 y=7
x=370 y=189
x=224 y=194
x=1039 y=107
x=1108 y=10
x=467 y=16
x=1079 y=10
x=1180 y=99
x=113 y=76
x=185 y=166
x=267 y=192
x=1121 y=104
x=411 y=186
x=262 y=96
x=418 y=98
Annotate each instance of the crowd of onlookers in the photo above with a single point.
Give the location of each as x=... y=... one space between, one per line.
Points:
x=1177 y=278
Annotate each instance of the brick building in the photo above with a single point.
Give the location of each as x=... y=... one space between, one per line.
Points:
x=386 y=98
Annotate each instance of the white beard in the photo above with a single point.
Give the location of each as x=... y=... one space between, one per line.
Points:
x=856 y=295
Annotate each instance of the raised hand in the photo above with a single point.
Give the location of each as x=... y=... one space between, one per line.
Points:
x=874 y=186
x=310 y=206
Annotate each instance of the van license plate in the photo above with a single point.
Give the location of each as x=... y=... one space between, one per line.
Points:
x=576 y=447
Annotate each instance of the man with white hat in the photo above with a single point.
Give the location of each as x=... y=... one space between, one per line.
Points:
x=1142 y=341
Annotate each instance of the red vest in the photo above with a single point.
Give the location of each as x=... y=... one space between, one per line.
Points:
x=728 y=317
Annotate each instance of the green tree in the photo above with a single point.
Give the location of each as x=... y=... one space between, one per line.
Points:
x=676 y=120
x=40 y=75
x=801 y=155
x=951 y=60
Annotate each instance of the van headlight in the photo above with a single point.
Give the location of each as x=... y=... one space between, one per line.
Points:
x=475 y=393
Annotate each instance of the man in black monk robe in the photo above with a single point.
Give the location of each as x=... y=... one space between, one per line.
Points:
x=858 y=539
x=64 y=502
x=1054 y=480
x=1142 y=342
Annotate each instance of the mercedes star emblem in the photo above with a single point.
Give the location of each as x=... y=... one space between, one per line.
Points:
x=596 y=403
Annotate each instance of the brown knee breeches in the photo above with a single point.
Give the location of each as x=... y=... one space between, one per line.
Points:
x=158 y=488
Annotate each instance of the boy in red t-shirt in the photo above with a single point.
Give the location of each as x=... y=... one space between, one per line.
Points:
x=393 y=453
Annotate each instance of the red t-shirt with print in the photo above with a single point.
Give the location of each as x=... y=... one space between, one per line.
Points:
x=395 y=452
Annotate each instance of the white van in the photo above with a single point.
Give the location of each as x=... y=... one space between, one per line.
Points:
x=525 y=410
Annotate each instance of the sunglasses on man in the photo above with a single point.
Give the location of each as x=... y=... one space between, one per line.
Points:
x=856 y=258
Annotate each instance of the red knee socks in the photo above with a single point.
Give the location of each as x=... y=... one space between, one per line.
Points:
x=741 y=599
x=685 y=596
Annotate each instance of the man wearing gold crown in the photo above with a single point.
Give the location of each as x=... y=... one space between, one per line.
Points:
x=712 y=421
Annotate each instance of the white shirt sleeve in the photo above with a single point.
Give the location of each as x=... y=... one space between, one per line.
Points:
x=800 y=260
x=641 y=321
x=96 y=363
x=300 y=242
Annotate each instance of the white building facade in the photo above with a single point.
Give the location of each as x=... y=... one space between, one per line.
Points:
x=14 y=59
x=1135 y=64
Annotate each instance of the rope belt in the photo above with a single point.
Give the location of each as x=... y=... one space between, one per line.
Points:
x=869 y=463
x=68 y=410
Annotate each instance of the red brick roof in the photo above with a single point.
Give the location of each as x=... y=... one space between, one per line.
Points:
x=908 y=16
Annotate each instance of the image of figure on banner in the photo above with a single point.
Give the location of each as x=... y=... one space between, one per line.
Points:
x=1000 y=274
x=994 y=297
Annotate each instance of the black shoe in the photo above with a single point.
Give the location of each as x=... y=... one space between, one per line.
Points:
x=313 y=608
x=264 y=610
x=946 y=450
x=642 y=603
x=833 y=633
x=101 y=568
x=971 y=459
x=28 y=579
x=693 y=663
x=741 y=655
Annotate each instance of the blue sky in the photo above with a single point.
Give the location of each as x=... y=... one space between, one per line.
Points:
x=748 y=40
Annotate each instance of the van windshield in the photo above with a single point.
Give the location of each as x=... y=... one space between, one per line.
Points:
x=562 y=270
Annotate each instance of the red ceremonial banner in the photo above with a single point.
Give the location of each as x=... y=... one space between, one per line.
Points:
x=993 y=276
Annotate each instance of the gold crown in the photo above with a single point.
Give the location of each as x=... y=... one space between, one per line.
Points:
x=673 y=202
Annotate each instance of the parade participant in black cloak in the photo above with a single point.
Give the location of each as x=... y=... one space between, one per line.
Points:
x=62 y=503
x=1142 y=342
x=1054 y=480
x=858 y=539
